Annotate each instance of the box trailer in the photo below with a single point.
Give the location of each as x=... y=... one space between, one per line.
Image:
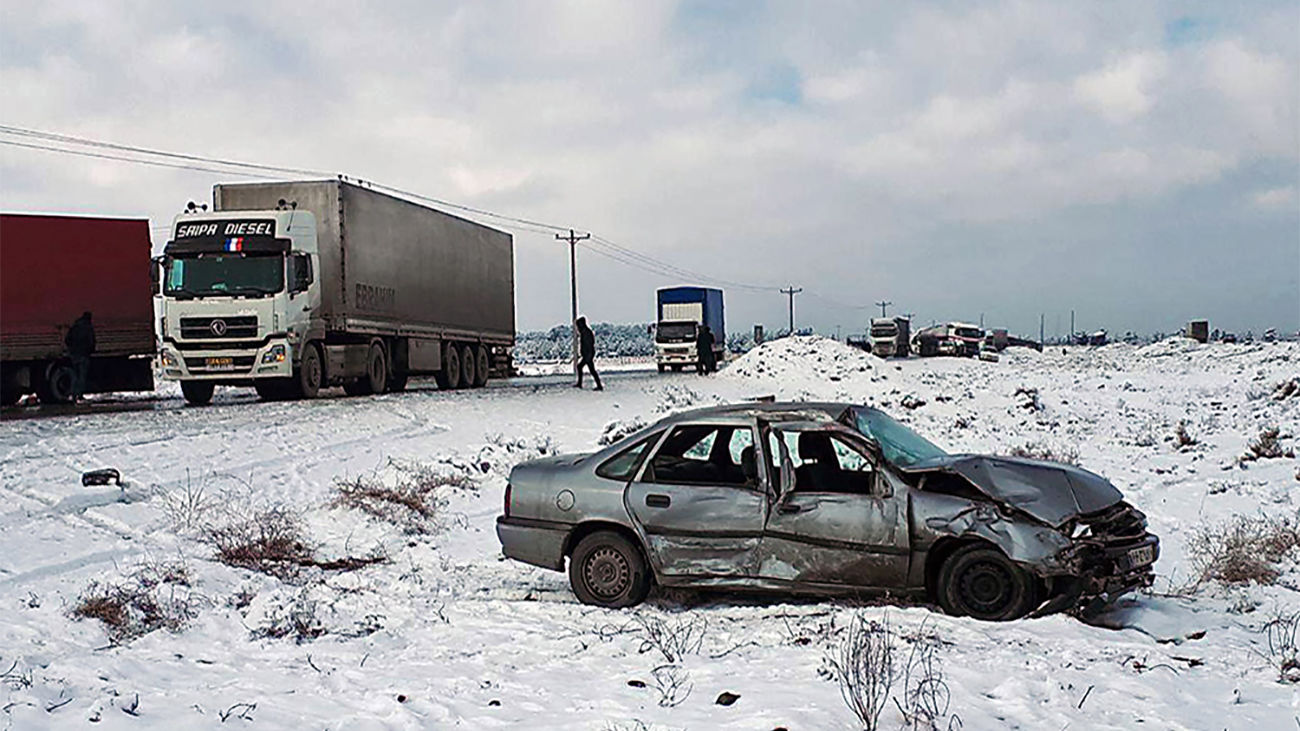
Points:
x=891 y=336
x=53 y=269
x=680 y=312
x=295 y=286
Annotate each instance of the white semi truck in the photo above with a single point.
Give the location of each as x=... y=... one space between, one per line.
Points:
x=293 y=287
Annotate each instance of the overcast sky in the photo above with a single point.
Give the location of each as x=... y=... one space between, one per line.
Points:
x=1137 y=162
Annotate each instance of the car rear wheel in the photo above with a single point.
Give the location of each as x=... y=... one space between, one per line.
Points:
x=981 y=582
x=607 y=570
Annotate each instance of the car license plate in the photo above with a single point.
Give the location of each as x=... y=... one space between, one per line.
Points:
x=220 y=364
x=1142 y=556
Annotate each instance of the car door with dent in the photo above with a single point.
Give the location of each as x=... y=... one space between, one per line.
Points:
x=700 y=503
x=839 y=519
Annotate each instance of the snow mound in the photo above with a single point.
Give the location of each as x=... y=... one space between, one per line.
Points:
x=1176 y=345
x=811 y=367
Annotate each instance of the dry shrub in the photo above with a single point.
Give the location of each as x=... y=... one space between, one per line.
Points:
x=1243 y=550
x=153 y=596
x=1283 y=652
x=271 y=541
x=1044 y=452
x=864 y=668
x=1267 y=445
x=411 y=500
x=1181 y=436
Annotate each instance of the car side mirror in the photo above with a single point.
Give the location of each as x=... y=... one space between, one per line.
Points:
x=155 y=274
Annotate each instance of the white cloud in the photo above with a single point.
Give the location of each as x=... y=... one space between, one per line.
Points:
x=1285 y=198
x=1123 y=90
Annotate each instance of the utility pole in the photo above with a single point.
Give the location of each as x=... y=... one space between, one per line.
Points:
x=837 y=332
x=1071 y=327
x=573 y=240
x=791 y=292
x=882 y=305
x=981 y=320
x=1041 y=318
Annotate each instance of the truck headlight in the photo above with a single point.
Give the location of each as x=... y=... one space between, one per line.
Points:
x=274 y=355
x=169 y=360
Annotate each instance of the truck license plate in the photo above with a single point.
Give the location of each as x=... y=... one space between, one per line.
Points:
x=220 y=364
x=1142 y=556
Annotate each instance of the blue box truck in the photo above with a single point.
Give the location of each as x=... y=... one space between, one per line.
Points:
x=680 y=313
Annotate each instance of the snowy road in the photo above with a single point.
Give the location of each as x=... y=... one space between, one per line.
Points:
x=447 y=635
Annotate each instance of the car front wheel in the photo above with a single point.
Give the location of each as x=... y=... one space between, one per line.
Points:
x=981 y=582
x=607 y=570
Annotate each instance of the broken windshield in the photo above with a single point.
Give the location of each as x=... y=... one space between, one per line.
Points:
x=901 y=446
x=225 y=274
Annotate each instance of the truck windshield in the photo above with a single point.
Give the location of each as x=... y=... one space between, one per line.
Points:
x=969 y=332
x=675 y=331
x=900 y=445
x=883 y=331
x=225 y=274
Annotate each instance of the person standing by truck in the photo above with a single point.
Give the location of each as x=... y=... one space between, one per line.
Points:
x=705 y=361
x=80 y=341
x=587 y=353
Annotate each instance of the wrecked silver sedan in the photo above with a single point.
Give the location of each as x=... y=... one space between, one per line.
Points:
x=824 y=499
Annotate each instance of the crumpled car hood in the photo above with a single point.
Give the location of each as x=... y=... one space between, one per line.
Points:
x=1051 y=492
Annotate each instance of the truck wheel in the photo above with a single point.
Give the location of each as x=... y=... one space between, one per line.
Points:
x=449 y=376
x=482 y=366
x=57 y=386
x=310 y=372
x=607 y=570
x=467 y=363
x=981 y=582
x=198 y=393
x=662 y=367
x=377 y=372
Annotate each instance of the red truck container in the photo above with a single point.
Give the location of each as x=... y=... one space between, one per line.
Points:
x=52 y=269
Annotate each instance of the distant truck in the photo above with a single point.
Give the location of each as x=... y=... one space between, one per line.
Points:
x=891 y=336
x=951 y=338
x=54 y=268
x=1198 y=330
x=295 y=286
x=680 y=313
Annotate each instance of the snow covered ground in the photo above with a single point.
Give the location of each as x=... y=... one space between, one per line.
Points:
x=446 y=634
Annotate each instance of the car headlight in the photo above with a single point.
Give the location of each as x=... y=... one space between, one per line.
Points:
x=274 y=355
x=169 y=360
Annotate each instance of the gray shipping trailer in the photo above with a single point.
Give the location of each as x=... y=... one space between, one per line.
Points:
x=291 y=287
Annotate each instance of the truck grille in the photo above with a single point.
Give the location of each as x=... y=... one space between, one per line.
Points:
x=223 y=345
x=208 y=328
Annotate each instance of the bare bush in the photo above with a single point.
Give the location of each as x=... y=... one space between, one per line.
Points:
x=1182 y=438
x=672 y=684
x=1289 y=388
x=271 y=541
x=1030 y=400
x=1281 y=634
x=620 y=428
x=297 y=619
x=189 y=507
x=411 y=499
x=153 y=596
x=1243 y=550
x=926 y=695
x=1267 y=445
x=864 y=668
x=1062 y=454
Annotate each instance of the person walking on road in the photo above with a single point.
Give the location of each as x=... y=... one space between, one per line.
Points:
x=587 y=353
x=705 y=361
x=80 y=341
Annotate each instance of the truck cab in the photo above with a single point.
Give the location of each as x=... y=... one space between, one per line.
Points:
x=680 y=313
x=239 y=298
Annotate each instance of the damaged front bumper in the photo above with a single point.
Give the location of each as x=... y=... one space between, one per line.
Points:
x=1113 y=555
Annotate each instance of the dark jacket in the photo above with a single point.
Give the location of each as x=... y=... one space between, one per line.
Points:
x=80 y=338
x=704 y=342
x=586 y=343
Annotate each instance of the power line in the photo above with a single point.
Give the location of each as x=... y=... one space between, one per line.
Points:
x=155 y=163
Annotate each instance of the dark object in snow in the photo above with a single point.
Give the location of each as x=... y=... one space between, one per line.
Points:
x=101 y=477
x=494 y=702
x=636 y=683
x=726 y=699
x=401 y=697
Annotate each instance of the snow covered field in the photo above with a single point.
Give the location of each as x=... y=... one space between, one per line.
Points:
x=445 y=634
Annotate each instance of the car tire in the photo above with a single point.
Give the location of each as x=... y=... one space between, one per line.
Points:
x=198 y=393
x=311 y=372
x=608 y=570
x=449 y=376
x=981 y=582
x=482 y=366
